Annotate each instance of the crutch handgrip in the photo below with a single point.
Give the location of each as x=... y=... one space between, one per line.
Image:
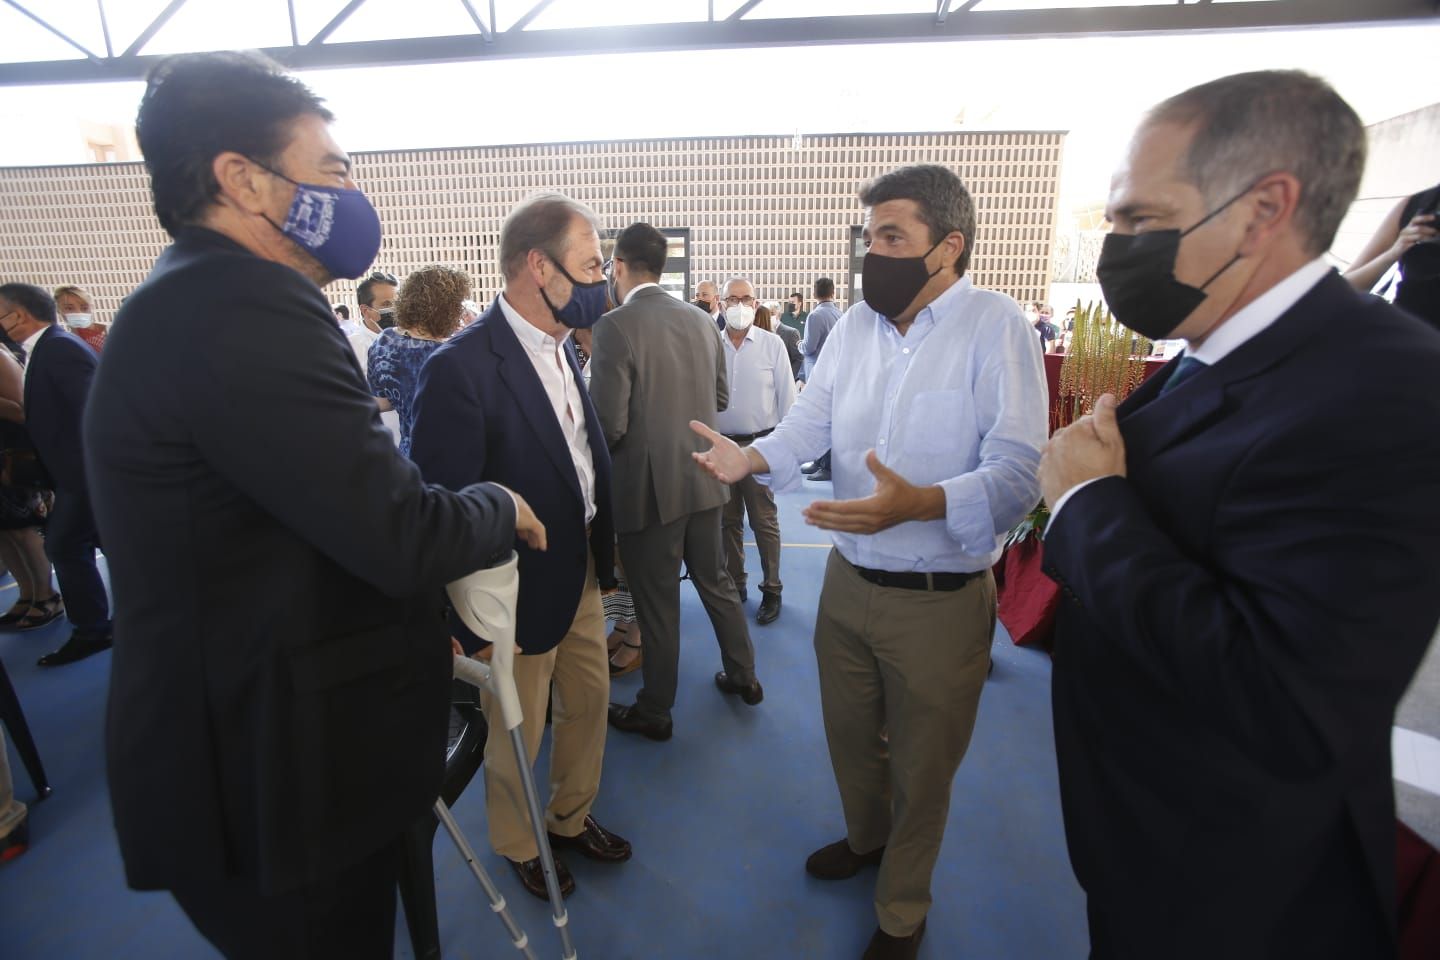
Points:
x=485 y=601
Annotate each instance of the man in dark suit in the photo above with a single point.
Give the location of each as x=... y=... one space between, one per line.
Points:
x=1246 y=548
x=657 y=365
x=281 y=678
x=59 y=368
x=505 y=402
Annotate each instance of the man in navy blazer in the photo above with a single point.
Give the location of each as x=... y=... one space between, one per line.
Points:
x=504 y=402
x=1247 y=548
x=59 y=367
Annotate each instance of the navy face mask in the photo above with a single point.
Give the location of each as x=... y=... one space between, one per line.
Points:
x=586 y=304
x=1137 y=277
x=335 y=225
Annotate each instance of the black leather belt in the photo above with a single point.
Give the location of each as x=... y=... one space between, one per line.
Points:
x=749 y=437
x=915 y=580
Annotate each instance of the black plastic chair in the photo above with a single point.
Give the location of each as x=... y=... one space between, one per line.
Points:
x=14 y=719
x=465 y=753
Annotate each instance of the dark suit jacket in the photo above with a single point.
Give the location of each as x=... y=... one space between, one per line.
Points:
x=481 y=413
x=657 y=365
x=58 y=374
x=281 y=678
x=792 y=347
x=1241 y=614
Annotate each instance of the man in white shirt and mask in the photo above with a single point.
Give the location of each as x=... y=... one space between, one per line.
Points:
x=762 y=389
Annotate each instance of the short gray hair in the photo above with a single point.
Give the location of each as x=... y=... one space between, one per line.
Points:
x=945 y=206
x=540 y=222
x=745 y=280
x=1249 y=125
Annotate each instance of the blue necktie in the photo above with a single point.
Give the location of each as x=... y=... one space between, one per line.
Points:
x=1184 y=370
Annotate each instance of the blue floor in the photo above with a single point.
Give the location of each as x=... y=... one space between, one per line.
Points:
x=721 y=817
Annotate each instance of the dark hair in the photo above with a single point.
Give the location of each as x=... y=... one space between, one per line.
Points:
x=943 y=203
x=365 y=293
x=200 y=105
x=643 y=248
x=342 y=310
x=34 y=300
x=797 y=295
x=1249 y=125
x=824 y=288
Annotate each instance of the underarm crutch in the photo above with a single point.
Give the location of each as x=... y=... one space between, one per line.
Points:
x=485 y=601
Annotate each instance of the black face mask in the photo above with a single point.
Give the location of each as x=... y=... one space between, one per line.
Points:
x=387 y=318
x=1137 y=276
x=892 y=283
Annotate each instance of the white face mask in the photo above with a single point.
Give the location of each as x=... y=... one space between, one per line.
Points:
x=78 y=320
x=739 y=317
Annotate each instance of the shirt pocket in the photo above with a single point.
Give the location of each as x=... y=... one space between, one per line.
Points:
x=939 y=422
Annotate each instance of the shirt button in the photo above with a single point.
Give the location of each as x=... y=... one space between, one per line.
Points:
x=906 y=350
x=882 y=441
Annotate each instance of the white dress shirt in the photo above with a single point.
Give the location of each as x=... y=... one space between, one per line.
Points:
x=1251 y=320
x=958 y=402
x=547 y=355
x=361 y=341
x=29 y=347
x=762 y=385
x=631 y=295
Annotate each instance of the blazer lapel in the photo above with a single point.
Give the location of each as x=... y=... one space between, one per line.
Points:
x=1152 y=423
x=518 y=373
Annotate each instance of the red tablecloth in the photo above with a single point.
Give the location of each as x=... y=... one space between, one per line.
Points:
x=1052 y=380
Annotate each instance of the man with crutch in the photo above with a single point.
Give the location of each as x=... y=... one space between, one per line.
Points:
x=280 y=685
x=504 y=401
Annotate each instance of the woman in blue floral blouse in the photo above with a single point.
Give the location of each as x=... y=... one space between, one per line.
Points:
x=427 y=313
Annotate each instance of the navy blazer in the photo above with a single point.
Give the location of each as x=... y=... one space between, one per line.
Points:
x=481 y=414
x=1241 y=614
x=58 y=373
x=280 y=687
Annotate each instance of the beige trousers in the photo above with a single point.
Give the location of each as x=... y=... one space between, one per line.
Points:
x=580 y=671
x=900 y=678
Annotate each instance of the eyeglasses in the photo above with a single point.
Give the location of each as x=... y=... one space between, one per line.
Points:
x=380 y=276
x=736 y=301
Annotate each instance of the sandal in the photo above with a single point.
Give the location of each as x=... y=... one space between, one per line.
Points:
x=15 y=613
x=42 y=612
x=618 y=671
x=612 y=642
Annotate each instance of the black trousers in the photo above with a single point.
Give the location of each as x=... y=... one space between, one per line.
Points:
x=70 y=544
x=350 y=914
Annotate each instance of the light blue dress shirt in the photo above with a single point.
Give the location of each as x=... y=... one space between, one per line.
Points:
x=959 y=401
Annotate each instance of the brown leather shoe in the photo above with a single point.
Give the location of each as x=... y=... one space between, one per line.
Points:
x=532 y=877
x=838 y=862
x=752 y=693
x=885 y=947
x=595 y=843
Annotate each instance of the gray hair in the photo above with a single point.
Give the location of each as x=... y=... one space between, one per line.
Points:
x=1249 y=125
x=540 y=222
x=945 y=206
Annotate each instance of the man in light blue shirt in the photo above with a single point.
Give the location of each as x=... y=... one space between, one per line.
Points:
x=937 y=426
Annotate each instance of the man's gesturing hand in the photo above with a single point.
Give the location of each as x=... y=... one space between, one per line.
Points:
x=894 y=501
x=726 y=460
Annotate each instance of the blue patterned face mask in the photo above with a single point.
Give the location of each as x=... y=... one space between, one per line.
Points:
x=335 y=225
x=586 y=304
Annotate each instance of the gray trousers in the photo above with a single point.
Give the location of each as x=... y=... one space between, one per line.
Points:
x=752 y=497
x=900 y=678
x=652 y=559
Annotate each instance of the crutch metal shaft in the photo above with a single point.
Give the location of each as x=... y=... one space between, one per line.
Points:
x=497 y=902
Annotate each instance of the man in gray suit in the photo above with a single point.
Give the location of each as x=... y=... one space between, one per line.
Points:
x=655 y=367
